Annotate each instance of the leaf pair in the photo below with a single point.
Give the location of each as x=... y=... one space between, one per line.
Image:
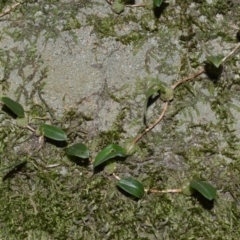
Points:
x=78 y=150
x=136 y=189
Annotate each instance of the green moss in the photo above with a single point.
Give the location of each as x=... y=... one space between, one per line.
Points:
x=72 y=23
x=103 y=27
x=134 y=37
x=67 y=201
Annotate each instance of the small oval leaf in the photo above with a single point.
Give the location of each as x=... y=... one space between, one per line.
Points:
x=14 y=106
x=78 y=150
x=111 y=151
x=207 y=190
x=52 y=132
x=215 y=60
x=131 y=186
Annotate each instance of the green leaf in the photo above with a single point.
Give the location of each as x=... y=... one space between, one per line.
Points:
x=157 y=3
x=15 y=107
x=52 y=132
x=111 y=151
x=215 y=60
x=207 y=190
x=131 y=186
x=78 y=150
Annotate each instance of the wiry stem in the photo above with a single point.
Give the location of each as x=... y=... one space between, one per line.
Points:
x=9 y=9
x=178 y=190
x=201 y=71
x=231 y=53
x=188 y=78
x=153 y=125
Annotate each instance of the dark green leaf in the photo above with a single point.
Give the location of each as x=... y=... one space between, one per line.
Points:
x=111 y=151
x=131 y=186
x=15 y=107
x=215 y=60
x=78 y=150
x=157 y=3
x=52 y=132
x=207 y=190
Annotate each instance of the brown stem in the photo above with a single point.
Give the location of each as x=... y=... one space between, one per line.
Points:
x=9 y=9
x=201 y=71
x=188 y=78
x=116 y=176
x=164 y=191
x=153 y=125
x=31 y=129
x=231 y=53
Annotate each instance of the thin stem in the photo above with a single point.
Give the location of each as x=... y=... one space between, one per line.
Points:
x=9 y=9
x=231 y=53
x=188 y=78
x=153 y=125
x=116 y=176
x=31 y=129
x=201 y=71
x=164 y=191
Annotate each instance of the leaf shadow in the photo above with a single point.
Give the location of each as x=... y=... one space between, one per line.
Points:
x=100 y=167
x=9 y=112
x=130 y=2
x=84 y=162
x=159 y=10
x=13 y=171
x=58 y=144
x=151 y=100
x=213 y=72
x=204 y=202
